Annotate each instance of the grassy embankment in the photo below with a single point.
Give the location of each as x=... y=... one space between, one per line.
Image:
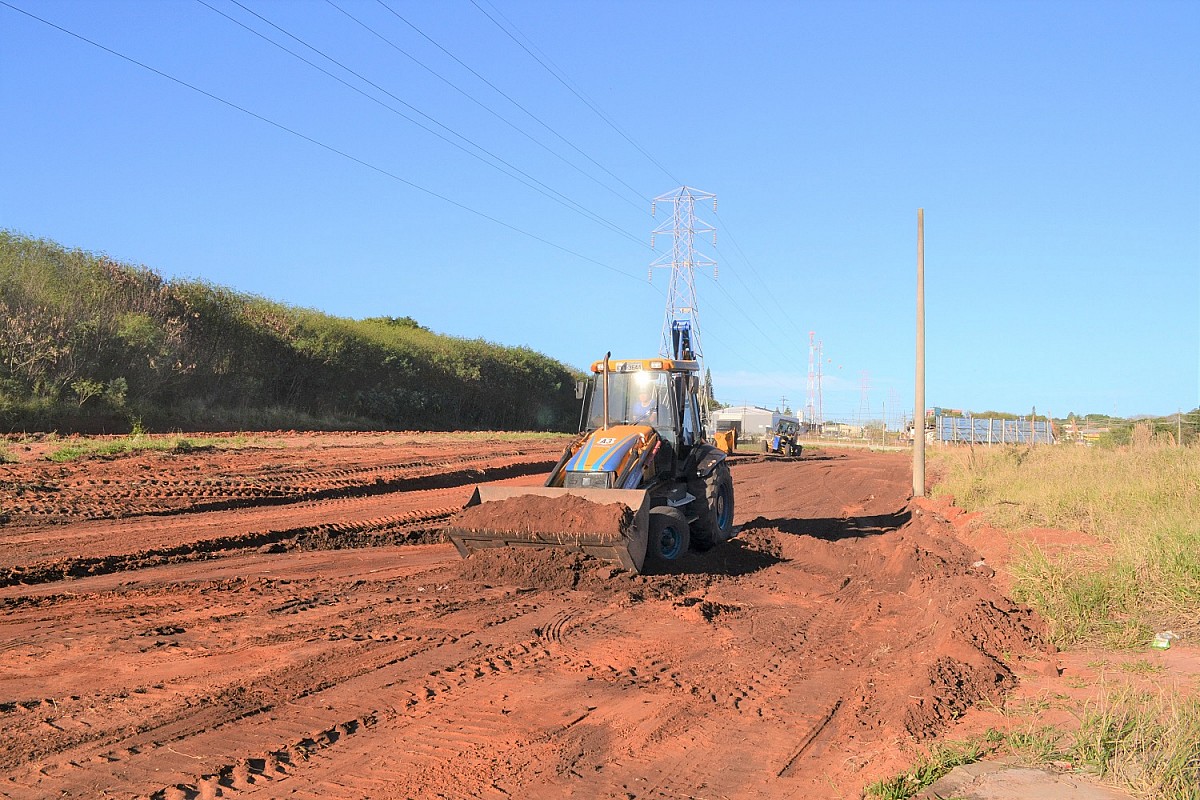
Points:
x=1142 y=504
x=91 y=345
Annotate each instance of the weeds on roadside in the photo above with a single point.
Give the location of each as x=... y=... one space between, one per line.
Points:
x=1147 y=741
x=941 y=759
x=1142 y=504
x=136 y=444
x=142 y=442
x=1039 y=744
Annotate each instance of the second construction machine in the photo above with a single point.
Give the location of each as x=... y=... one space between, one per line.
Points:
x=643 y=446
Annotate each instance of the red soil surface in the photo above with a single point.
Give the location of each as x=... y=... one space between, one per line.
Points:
x=311 y=642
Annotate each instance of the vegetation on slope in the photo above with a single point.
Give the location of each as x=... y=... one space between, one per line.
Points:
x=88 y=344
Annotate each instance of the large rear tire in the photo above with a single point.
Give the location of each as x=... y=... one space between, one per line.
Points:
x=669 y=536
x=713 y=508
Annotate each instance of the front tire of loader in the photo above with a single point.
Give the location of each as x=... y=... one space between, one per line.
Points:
x=714 y=522
x=669 y=536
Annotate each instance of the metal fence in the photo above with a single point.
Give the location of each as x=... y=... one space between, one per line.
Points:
x=975 y=430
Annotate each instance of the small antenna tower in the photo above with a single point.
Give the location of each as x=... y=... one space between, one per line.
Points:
x=864 y=404
x=820 y=384
x=810 y=405
x=683 y=261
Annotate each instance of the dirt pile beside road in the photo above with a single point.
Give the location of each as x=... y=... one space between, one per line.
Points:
x=803 y=659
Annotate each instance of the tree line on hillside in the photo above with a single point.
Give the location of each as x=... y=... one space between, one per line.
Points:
x=89 y=344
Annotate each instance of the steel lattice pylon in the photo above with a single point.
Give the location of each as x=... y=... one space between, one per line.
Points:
x=683 y=261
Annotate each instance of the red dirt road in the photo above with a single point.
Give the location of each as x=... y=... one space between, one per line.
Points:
x=305 y=648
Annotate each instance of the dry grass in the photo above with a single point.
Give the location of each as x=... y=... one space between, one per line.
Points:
x=1142 y=502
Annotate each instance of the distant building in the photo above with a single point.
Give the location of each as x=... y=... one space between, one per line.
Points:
x=750 y=422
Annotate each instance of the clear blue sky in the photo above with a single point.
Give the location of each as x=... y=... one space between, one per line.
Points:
x=1055 y=148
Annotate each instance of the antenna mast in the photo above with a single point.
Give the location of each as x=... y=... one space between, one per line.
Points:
x=810 y=407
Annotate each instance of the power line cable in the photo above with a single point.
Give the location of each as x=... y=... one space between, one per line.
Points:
x=745 y=259
x=737 y=351
x=322 y=145
x=507 y=97
x=548 y=66
x=527 y=179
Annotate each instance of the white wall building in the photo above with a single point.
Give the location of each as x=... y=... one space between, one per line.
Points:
x=751 y=422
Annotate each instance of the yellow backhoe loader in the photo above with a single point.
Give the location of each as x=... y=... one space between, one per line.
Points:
x=643 y=447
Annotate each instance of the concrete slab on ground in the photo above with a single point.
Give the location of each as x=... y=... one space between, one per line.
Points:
x=991 y=781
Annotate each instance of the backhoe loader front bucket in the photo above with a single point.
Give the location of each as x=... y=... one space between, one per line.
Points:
x=610 y=524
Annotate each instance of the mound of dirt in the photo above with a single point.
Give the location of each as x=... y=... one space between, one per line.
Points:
x=559 y=518
x=922 y=611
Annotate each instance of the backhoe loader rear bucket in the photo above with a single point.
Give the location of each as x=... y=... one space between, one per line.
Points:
x=611 y=524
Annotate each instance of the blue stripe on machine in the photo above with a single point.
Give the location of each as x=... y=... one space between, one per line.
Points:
x=616 y=452
x=580 y=456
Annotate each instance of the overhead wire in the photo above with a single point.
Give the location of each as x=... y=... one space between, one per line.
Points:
x=526 y=179
x=510 y=99
x=555 y=72
x=735 y=350
x=755 y=359
x=320 y=144
x=746 y=260
x=383 y=171
x=732 y=300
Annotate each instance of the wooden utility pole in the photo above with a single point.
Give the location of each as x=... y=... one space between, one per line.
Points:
x=919 y=405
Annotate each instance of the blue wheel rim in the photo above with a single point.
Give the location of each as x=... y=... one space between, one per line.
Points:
x=669 y=542
x=724 y=512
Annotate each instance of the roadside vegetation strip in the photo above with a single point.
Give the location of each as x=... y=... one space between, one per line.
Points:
x=1147 y=742
x=1142 y=503
x=81 y=447
x=128 y=445
x=97 y=345
x=930 y=768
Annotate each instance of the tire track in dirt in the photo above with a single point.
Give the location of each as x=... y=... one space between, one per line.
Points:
x=312 y=678
x=799 y=660
x=364 y=520
x=151 y=484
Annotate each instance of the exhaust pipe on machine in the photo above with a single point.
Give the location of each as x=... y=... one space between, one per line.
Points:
x=606 y=357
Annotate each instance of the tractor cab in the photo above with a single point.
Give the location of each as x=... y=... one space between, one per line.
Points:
x=659 y=393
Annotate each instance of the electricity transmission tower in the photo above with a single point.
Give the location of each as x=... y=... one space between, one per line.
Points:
x=681 y=326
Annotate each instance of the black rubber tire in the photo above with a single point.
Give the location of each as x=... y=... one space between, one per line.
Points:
x=669 y=536
x=713 y=508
